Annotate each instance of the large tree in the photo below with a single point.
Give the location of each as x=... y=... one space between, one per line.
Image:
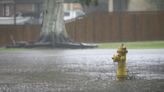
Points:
x=53 y=28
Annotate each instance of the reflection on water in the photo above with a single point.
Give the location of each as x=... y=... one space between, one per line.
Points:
x=79 y=71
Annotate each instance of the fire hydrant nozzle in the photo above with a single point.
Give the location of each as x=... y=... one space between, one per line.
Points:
x=120 y=58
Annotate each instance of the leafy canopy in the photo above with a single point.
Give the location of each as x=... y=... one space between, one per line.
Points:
x=88 y=2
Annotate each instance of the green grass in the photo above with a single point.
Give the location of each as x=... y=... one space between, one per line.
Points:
x=135 y=45
x=113 y=45
x=12 y=49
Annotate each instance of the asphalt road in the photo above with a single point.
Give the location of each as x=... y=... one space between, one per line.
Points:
x=80 y=70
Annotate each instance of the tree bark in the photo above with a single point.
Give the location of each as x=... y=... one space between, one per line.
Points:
x=53 y=27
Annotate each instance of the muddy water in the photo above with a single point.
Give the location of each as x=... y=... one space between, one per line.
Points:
x=79 y=71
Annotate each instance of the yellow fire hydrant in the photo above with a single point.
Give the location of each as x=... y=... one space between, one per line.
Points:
x=121 y=59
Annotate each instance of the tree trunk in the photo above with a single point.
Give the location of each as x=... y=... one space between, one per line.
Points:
x=53 y=28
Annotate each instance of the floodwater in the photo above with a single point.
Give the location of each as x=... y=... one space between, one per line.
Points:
x=80 y=70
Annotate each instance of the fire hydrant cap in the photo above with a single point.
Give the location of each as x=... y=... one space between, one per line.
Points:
x=122 y=49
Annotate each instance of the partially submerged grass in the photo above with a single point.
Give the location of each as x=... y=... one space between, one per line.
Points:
x=135 y=45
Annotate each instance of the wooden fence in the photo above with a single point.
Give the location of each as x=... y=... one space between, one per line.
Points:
x=18 y=33
x=98 y=27
x=126 y=26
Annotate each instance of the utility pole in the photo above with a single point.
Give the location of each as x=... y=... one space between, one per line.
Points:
x=120 y=18
x=110 y=5
x=14 y=12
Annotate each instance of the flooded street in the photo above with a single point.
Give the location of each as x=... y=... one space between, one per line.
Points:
x=80 y=70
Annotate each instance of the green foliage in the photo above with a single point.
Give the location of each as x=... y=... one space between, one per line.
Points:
x=88 y=2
